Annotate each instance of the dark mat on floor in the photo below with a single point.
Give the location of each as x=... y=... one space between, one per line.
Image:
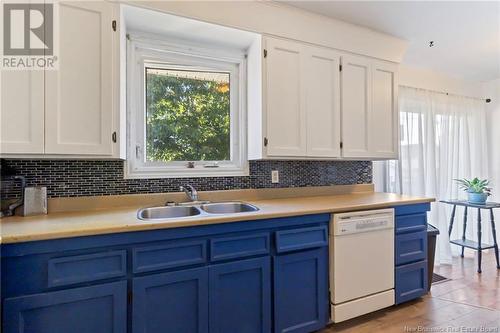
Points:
x=436 y=278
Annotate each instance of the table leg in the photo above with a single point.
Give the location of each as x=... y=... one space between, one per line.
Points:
x=452 y=219
x=493 y=230
x=465 y=228
x=479 y=250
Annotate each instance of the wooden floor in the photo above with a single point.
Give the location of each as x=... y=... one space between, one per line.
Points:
x=469 y=300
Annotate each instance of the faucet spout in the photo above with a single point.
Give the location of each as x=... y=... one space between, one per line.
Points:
x=190 y=191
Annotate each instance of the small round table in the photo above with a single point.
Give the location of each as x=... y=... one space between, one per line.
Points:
x=466 y=243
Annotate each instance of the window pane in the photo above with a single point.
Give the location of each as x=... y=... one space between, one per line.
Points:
x=187 y=115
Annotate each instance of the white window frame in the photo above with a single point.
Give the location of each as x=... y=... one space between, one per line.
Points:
x=145 y=52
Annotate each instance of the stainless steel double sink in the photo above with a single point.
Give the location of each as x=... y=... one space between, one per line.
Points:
x=178 y=211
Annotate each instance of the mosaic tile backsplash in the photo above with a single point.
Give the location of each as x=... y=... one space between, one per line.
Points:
x=72 y=178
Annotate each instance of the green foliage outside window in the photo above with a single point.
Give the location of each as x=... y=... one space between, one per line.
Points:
x=187 y=119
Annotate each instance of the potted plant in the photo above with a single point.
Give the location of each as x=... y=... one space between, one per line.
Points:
x=477 y=190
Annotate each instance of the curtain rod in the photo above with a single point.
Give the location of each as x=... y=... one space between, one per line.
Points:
x=487 y=100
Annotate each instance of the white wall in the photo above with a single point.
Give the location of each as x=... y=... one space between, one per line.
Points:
x=492 y=90
x=431 y=80
x=277 y=19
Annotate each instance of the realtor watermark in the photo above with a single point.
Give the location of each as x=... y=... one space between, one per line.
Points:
x=29 y=36
x=452 y=329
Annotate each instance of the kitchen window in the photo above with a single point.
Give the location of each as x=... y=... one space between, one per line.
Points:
x=186 y=111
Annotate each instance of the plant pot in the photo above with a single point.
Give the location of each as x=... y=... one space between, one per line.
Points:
x=477 y=198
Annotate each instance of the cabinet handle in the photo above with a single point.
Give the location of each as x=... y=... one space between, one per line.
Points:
x=113 y=136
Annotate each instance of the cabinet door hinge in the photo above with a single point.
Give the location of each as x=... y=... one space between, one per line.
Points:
x=341 y=145
x=340 y=67
x=265 y=53
x=129 y=297
x=113 y=137
x=265 y=142
x=113 y=25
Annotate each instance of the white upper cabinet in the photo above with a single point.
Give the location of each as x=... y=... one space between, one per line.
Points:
x=78 y=96
x=285 y=98
x=369 y=108
x=22 y=117
x=322 y=104
x=384 y=136
x=72 y=110
x=356 y=106
x=301 y=108
x=322 y=87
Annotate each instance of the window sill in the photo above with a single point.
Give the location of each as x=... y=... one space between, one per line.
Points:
x=148 y=173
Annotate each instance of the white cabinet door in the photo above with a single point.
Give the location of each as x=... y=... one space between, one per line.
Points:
x=384 y=126
x=322 y=86
x=369 y=108
x=78 y=96
x=21 y=112
x=285 y=100
x=356 y=106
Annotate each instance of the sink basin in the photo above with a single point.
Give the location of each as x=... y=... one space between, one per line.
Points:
x=228 y=208
x=167 y=212
x=171 y=212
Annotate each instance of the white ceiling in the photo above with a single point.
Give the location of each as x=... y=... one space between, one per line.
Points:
x=466 y=34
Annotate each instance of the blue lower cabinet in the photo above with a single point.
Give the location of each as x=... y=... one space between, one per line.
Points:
x=171 y=302
x=96 y=309
x=301 y=291
x=411 y=281
x=202 y=279
x=410 y=245
x=240 y=296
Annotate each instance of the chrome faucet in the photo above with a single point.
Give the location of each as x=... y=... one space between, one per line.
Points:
x=190 y=191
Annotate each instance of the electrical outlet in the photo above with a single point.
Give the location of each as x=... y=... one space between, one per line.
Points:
x=275 y=176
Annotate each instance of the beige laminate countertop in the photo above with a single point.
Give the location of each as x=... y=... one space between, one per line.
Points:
x=124 y=219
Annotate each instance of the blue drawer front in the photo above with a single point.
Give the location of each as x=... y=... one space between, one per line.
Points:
x=153 y=258
x=239 y=246
x=411 y=223
x=412 y=209
x=411 y=247
x=85 y=268
x=411 y=281
x=303 y=238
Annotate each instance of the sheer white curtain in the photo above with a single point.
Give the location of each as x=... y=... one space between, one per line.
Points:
x=442 y=138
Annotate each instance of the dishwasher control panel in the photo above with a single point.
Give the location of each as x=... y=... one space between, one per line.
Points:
x=349 y=223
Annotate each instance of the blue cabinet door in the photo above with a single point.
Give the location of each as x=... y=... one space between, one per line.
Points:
x=240 y=296
x=171 y=302
x=301 y=291
x=95 y=309
x=411 y=281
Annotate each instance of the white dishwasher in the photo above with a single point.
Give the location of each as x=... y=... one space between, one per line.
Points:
x=361 y=263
